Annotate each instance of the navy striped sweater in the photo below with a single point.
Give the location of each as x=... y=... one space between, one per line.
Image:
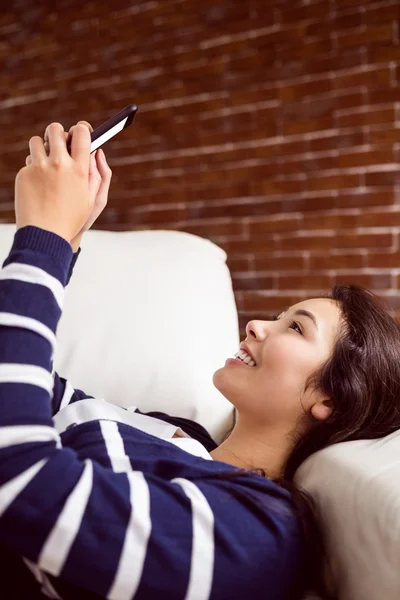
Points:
x=167 y=525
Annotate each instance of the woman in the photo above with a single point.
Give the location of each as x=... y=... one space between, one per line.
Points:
x=102 y=507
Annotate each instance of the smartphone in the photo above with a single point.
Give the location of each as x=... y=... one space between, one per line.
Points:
x=110 y=128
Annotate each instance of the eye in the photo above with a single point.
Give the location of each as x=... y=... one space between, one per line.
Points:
x=293 y=324
x=296 y=325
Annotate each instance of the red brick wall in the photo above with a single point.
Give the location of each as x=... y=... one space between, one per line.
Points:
x=271 y=127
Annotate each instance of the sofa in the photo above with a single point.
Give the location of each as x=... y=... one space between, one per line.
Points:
x=176 y=323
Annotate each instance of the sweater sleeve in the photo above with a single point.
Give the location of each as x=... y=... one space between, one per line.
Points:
x=63 y=393
x=120 y=535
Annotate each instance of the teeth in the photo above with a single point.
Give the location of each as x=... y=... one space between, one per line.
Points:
x=242 y=354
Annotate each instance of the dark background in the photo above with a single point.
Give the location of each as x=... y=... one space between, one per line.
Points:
x=271 y=127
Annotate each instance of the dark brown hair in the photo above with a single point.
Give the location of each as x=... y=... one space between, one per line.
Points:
x=362 y=379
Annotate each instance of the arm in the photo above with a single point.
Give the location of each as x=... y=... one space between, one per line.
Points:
x=89 y=526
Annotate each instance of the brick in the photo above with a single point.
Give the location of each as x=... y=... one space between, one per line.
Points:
x=288 y=148
x=382 y=178
x=279 y=263
x=383 y=260
x=340 y=4
x=308 y=109
x=335 y=142
x=367 y=240
x=372 y=157
x=241 y=282
x=256 y=245
x=380 y=14
x=336 y=261
x=305 y=13
x=308 y=166
x=237 y=174
x=332 y=182
x=349 y=100
x=316 y=242
x=371 y=282
x=207 y=211
x=304 y=282
x=364 y=199
x=158 y=216
x=290 y=93
x=253 y=302
x=380 y=33
x=327 y=26
x=384 y=95
x=295 y=32
x=273 y=225
x=370 y=117
x=298 y=127
x=309 y=203
x=214 y=230
x=377 y=77
x=377 y=53
x=379 y=219
x=329 y=221
x=305 y=48
x=291 y=69
x=272 y=188
x=384 y=136
x=243 y=97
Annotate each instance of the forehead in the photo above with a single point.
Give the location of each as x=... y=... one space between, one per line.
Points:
x=321 y=307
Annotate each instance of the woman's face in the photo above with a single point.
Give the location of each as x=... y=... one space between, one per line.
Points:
x=286 y=352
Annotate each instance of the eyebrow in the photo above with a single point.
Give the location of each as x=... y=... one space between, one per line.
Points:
x=306 y=313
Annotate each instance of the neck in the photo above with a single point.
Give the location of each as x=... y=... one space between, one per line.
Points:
x=251 y=446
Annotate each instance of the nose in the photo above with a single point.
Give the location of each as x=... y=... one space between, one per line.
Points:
x=257 y=329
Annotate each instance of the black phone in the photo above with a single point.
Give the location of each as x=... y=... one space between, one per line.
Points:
x=107 y=130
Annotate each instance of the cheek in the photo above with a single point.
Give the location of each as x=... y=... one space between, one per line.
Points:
x=286 y=364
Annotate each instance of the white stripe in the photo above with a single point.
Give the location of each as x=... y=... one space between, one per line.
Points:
x=13 y=320
x=31 y=274
x=202 y=566
x=47 y=587
x=20 y=373
x=68 y=393
x=11 y=435
x=120 y=462
x=58 y=544
x=10 y=490
x=130 y=568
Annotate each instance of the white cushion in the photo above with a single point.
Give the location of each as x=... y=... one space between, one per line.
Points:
x=148 y=317
x=356 y=486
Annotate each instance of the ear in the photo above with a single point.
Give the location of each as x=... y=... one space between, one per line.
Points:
x=322 y=410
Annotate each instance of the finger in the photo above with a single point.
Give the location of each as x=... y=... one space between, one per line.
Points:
x=87 y=125
x=56 y=139
x=36 y=148
x=94 y=177
x=101 y=191
x=80 y=145
x=102 y=164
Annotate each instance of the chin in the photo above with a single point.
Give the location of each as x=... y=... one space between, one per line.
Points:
x=221 y=382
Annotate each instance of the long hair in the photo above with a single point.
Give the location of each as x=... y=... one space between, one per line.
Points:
x=362 y=379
